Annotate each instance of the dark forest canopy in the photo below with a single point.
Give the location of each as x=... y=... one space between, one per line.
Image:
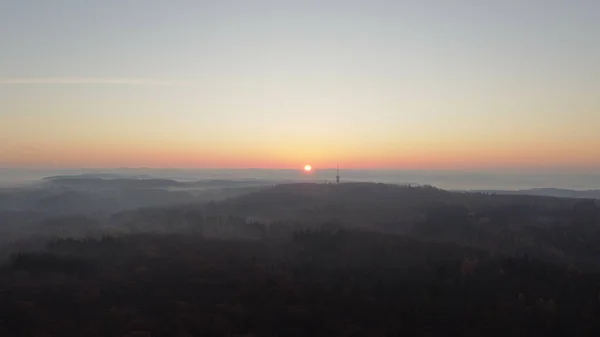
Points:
x=318 y=283
x=354 y=259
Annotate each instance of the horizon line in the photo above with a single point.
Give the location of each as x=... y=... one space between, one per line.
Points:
x=593 y=170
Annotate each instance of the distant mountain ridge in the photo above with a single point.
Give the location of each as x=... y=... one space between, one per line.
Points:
x=148 y=181
x=96 y=182
x=548 y=192
x=445 y=179
x=117 y=181
x=103 y=194
x=98 y=176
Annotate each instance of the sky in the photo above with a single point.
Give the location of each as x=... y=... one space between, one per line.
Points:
x=278 y=84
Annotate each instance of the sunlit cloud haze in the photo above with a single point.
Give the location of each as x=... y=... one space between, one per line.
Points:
x=278 y=84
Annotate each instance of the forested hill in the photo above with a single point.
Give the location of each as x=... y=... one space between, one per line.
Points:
x=554 y=228
x=368 y=203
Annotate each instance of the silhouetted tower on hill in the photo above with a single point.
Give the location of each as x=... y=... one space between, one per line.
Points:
x=337 y=177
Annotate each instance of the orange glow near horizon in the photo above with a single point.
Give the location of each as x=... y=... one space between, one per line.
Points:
x=236 y=153
x=427 y=159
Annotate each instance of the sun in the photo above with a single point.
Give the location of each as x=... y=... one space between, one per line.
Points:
x=307 y=168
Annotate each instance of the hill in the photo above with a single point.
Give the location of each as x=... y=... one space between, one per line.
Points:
x=550 y=228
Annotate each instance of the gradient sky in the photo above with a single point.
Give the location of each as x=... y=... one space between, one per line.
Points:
x=366 y=84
